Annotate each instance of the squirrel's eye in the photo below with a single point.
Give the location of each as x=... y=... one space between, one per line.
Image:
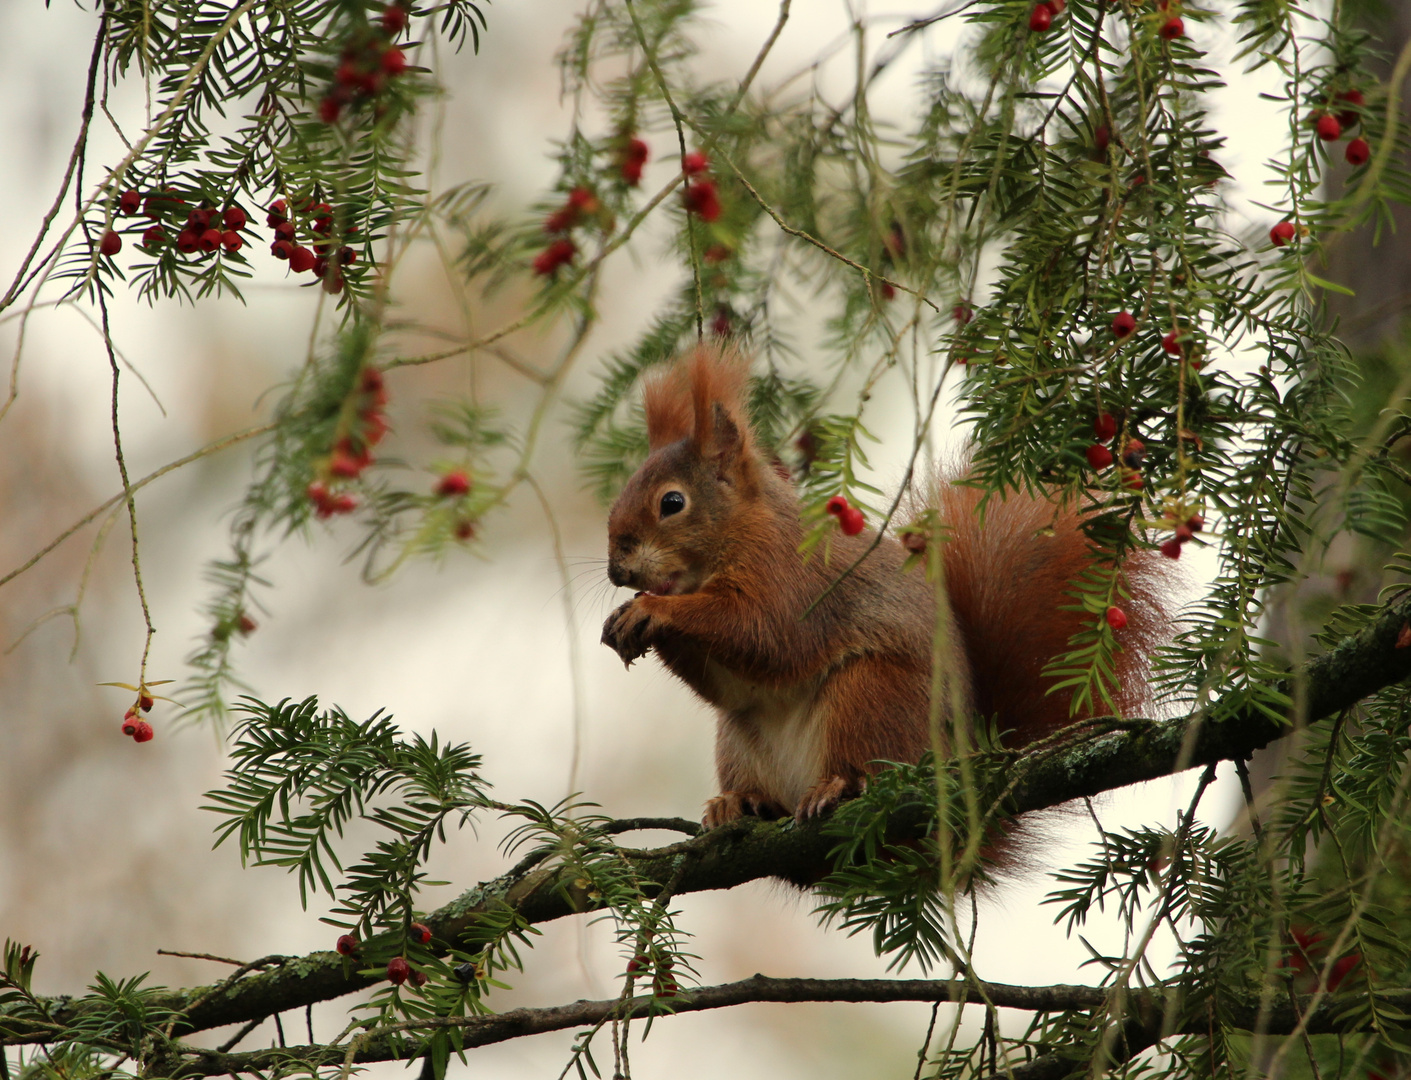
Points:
x=673 y=502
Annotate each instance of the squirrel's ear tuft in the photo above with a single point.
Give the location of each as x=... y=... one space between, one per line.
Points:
x=666 y=399
x=718 y=382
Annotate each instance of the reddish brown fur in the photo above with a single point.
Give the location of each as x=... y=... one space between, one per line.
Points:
x=807 y=705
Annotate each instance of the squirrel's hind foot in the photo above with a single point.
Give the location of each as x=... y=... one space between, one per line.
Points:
x=827 y=794
x=731 y=805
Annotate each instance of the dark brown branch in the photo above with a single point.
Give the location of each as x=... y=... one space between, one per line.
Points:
x=1145 y=1027
x=746 y=850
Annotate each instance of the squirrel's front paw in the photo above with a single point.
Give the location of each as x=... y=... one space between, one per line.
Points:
x=629 y=631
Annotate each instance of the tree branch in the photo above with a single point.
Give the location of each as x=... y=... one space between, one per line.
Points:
x=1147 y=1025
x=749 y=849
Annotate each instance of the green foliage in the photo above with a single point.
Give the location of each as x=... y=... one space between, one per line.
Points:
x=976 y=252
x=300 y=777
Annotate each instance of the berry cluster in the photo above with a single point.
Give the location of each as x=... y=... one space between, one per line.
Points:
x=132 y=722
x=1184 y=530
x=850 y=519
x=580 y=205
x=634 y=157
x=1043 y=14
x=352 y=449
x=1104 y=430
x=205 y=230
x=1343 y=114
x=663 y=981
x=700 y=196
x=366 y=64
x=322 y=259
x=456 y=485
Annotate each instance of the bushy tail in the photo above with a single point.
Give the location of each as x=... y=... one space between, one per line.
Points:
x=1010 y=577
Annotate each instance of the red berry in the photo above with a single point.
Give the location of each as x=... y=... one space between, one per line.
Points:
x=347 y=256
x=346 y=465
x=1102 y=135
x=1171 y=549
x=153 y=236
x=329 y=108
x=418 y=978
x=632 y=172
x=1099 y=456
x=1328 y=128
x=301 y=259
x=1116 y=618
x=187 y=241
x=1348 y=117
x=281 y=249
x=694 y=163
x=245 y=624
x=1171 y=344
x=394 y=62
x=143 y=733
x=284 y=230
x=1282 y=233
x=1173 y=28
x=1041 y=18
x=716 y=254
x=637 y=150
x=1134 y=453
x=557 y=254
x=210 y=240
x=962 y=313
x=145 y=702
x=1123 y=323
x=394 y=20
x=701 y=198
x=1133 y=480
x=1057 y=6
x=453 y=485
x=320 y=267
x=851 y=521
x=277 y=211
x=317 y=491
x=398 y=970
x=1184 y=533
x=583 y=200
x=234 y=218
x=374 y=428
x=888 y=290
x=421 y=932
x=230 y=240
x=1358 y=152
x=1104 y=427
x=465 y=529
x=347 y=945
x=130 y=721
x=836 y=505
x=111 y=243
x=1195 y=523
x=129 y=202
x=333 y=283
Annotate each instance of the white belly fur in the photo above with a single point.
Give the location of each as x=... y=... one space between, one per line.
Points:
x=775 y=736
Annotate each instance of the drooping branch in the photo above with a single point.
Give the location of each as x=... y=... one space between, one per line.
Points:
x=1147 y=1021
x=750 y=849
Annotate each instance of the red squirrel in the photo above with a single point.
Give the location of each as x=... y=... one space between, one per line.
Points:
x=708 y=530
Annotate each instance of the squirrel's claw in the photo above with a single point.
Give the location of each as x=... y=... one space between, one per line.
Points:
x=627 y=632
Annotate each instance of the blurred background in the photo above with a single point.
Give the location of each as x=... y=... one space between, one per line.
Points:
x=105 y=856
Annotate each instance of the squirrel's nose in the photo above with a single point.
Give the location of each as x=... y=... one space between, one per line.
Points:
x=617 y=575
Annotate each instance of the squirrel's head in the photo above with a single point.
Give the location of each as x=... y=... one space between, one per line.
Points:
x=678 y=515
